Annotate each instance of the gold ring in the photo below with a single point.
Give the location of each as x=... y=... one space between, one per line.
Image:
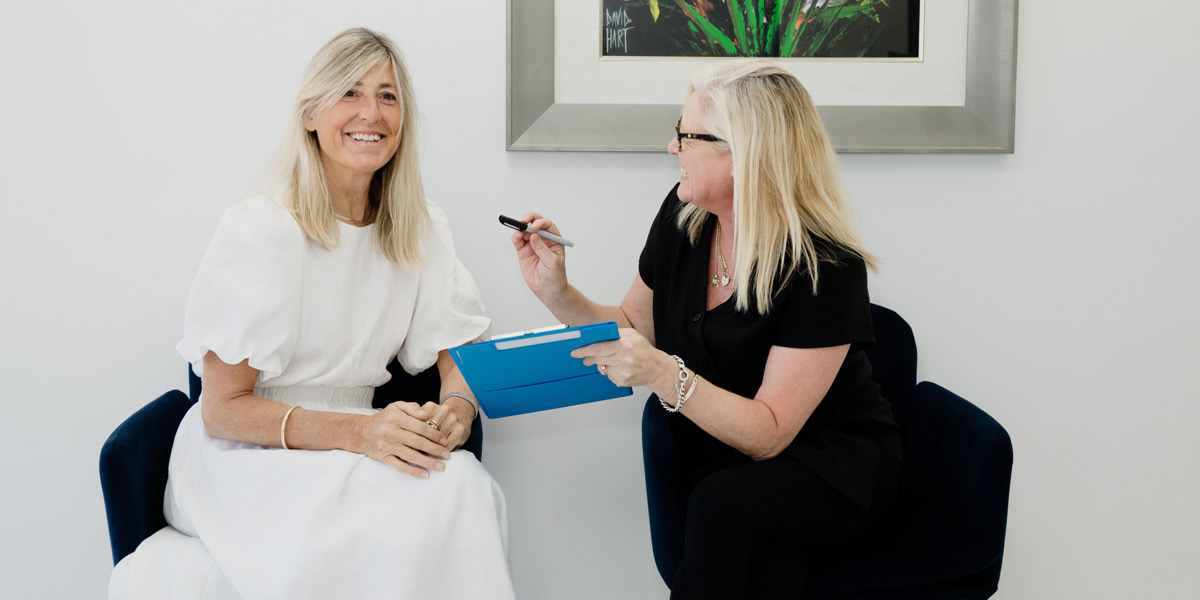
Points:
x=604 y=370
x=433 y=424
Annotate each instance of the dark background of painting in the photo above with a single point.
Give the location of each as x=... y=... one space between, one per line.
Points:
x=897 y=34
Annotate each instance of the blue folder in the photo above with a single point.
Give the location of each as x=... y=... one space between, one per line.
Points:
x=535 y=371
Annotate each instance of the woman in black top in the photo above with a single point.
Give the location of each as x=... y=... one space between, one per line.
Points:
x=748 y=320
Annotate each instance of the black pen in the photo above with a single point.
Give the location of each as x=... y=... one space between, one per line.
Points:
x=519 y=226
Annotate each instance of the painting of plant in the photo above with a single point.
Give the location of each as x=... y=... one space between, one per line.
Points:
x=770 y=28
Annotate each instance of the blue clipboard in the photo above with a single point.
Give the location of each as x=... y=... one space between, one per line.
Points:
x=533 y=372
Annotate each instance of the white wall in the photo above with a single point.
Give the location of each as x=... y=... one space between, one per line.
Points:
x=1051 y=287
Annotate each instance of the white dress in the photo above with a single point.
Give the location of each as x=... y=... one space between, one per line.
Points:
x=320 y=326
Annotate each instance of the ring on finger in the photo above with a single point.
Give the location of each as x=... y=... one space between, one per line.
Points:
x=434 y=425
x=604 y=370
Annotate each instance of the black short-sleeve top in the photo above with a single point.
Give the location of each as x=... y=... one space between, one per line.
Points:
x=842 y=440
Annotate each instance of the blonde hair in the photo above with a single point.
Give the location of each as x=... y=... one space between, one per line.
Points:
x=297 y=176
x=787 y=191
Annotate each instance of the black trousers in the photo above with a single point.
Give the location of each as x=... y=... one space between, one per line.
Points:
x=753 y=528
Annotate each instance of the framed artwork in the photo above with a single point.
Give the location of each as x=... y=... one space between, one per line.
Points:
x=845 y=29
x=640 y=44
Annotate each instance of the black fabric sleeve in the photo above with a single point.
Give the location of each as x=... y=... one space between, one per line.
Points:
x=664 y=218
x=839 y=313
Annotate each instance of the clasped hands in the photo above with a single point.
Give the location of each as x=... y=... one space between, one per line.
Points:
x=416 y=438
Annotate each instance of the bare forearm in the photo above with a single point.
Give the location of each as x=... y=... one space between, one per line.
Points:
x=745 y=424
x=453 y=382
x=573 y=308
x=256 y=420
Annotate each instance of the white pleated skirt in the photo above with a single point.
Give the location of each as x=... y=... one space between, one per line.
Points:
x=252 y=523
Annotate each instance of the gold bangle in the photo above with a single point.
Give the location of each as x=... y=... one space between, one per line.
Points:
x=691 y=388
x=283 y=428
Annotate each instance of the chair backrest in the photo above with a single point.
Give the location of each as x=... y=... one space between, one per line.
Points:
x=420 y=388
x=893 y=359
x=133 y=471
x=193 y=385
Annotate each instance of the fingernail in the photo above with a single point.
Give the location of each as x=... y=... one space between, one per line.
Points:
x=446 y=455
x=424 y=475
x=443 y=441
x=440 y=467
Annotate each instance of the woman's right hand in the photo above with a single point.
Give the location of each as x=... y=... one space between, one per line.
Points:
x=399 y=436
x=543 y=263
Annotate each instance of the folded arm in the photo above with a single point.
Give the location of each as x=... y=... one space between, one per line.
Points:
x=397 y=435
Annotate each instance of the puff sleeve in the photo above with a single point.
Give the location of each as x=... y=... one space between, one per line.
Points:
x=245 y=300
x=449 y=310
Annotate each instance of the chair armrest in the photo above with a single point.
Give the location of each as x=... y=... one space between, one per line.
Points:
x=133 y=471
x=666 y=489
x=947 y=530
x=960 y=461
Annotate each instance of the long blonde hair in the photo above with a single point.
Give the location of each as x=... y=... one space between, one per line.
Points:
x=297 y=176
x=787 y=191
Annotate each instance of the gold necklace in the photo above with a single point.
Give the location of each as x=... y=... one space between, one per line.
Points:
x=721 y=255
x=349 y=221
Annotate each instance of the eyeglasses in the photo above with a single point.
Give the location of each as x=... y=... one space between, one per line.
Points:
x=703 y=137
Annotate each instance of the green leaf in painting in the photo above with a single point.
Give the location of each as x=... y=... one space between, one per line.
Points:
x=739 y=26
x=715 y=35
x=791 y=27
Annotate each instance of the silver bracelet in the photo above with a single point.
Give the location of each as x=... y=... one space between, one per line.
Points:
x=680 y=393
x=472 y=402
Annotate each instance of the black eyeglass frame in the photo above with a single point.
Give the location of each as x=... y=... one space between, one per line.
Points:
x=703 y=137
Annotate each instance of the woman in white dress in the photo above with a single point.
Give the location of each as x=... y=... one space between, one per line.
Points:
x=284 y=481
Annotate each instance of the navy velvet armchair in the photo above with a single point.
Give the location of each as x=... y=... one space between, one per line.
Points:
x=945 y=538
x=133 y=461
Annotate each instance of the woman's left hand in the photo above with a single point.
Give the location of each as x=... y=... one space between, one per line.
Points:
x=452 y=421
x=630 y=361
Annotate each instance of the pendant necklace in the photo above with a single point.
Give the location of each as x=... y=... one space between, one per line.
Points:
x=724 y=281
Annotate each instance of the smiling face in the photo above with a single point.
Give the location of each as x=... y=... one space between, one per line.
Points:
x=706 y=170
x=361 y=131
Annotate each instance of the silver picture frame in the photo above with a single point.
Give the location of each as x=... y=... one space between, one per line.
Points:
x=983 y=124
